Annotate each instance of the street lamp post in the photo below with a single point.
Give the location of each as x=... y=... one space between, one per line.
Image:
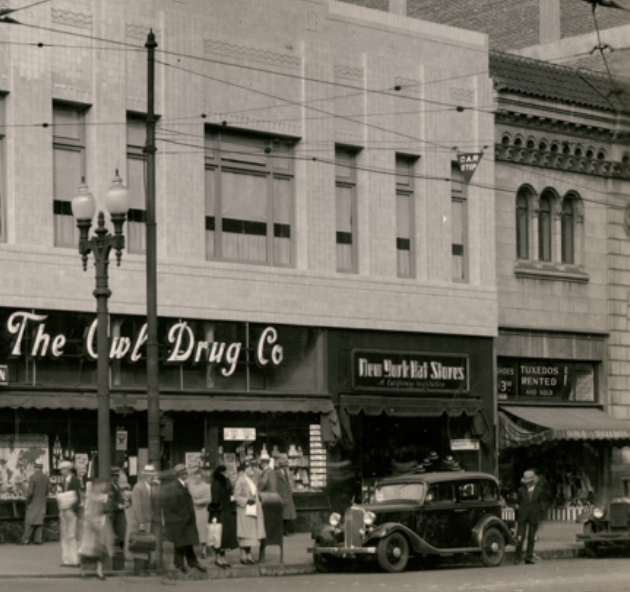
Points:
x=100 y=244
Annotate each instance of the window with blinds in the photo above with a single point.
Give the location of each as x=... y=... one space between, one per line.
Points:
x=404 y=215
x=345 y=199
x=249 y=198
x=458 y=224
x=68 y=169
x=136 y=170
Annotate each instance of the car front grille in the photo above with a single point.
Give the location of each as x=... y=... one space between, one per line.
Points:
x=353 y=524
x=619 y=515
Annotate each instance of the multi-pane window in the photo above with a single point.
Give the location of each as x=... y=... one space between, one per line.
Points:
x=522 y=226
x=68 y=169
x=544 y=228
x=249 y=198
x=458 y=223
x=404 y=215
x=345 y=182
x=137 y=215
x=568 y=233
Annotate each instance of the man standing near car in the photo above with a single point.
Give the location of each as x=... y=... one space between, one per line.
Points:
x=529 y=510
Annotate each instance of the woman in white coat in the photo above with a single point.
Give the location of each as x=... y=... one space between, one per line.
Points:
x=250 y=521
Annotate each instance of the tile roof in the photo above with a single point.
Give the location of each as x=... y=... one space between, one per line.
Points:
x=563 y=84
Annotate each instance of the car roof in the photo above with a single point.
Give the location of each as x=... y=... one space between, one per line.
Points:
x=439 y=477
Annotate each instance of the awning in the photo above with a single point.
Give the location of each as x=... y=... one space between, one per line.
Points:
x=560 y=423
x=408 y=406
x=262 y=404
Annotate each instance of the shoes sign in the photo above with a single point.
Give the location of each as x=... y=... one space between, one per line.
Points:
x=468 y=163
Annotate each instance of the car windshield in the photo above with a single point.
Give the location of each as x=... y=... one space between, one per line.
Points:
x=400 y=491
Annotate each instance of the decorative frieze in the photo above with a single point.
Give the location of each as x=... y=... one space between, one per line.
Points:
x=70 y=18
x=256 y=54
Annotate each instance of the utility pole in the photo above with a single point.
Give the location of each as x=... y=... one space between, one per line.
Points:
x=153 y=384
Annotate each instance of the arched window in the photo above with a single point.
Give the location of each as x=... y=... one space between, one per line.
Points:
x=522 y=226
x=544 y=229
x=568 y=231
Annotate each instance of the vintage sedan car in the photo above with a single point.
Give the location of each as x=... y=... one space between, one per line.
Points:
x=427 y=516
x=606 y=527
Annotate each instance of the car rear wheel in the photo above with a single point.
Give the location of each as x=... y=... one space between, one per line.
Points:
x=492 y=548
x=393 y=553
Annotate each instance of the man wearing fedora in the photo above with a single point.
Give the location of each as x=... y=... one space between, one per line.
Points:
x=529 y=510
x=35 y=506
x=68 y=516
x=181 y=521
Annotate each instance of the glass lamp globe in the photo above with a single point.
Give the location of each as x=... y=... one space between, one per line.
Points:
x=117 y=197
x=83 y=203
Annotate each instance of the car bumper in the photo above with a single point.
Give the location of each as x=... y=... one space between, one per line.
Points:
x=342 y=551
x=604 y=537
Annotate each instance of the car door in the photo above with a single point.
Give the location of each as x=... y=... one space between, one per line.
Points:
x=435 y=522
x=475 y=499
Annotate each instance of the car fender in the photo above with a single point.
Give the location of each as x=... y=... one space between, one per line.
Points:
x=489 y=522
x=418 y=544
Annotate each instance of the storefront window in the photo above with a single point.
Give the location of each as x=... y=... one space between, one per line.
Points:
x=539 y=380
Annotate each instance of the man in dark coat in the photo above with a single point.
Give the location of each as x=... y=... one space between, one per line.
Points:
x=530 y=500
x=36 y=495
x=269 y=478
x=119 y=522
x=180 y=520
x=285 y=490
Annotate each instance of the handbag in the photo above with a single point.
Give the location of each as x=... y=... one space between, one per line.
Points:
x=142 y=542
x=250 y=510
x=67 y=499
x=215 y=534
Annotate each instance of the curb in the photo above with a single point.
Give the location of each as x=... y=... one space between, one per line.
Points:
x=258 y=571
x=255 y=571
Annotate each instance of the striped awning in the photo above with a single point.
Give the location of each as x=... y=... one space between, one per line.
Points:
x=559 y=423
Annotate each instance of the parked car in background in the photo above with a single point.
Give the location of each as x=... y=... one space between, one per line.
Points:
x=606 y=527
x=429 y=515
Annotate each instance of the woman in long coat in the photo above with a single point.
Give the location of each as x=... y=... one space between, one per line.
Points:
x=200 y=493
x=97 y=541
x=250 y=529
x=220 y=510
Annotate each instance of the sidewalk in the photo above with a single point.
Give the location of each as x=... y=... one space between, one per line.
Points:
x=556 y=541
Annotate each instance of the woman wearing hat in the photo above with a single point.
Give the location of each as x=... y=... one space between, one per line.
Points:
x=250 y=522
x=200 y=493
x=220 y=512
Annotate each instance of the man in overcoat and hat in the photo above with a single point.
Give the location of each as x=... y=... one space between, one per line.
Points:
x=36 y=495
x=180 y=521
x=529 y=510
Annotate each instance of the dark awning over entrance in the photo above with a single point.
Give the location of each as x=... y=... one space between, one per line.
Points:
x=408 y=406
x=66 y=400
x=560 y=423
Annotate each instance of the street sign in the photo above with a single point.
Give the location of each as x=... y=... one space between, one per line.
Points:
x=468 y=163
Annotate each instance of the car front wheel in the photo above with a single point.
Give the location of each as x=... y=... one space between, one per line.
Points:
x=326 y=563
x=393 y=553
x=492 y=548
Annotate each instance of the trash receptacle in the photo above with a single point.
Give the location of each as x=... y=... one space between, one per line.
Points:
x=274 y=526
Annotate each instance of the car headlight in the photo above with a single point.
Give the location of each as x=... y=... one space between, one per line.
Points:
x=598 y=513
x=334 y=519
x=369 y=518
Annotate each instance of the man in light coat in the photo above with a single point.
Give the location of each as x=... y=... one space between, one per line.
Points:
x=141 y=516
x=35 y=506
x=68 y=516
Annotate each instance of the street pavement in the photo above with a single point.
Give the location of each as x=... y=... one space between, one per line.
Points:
x=576 y=575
